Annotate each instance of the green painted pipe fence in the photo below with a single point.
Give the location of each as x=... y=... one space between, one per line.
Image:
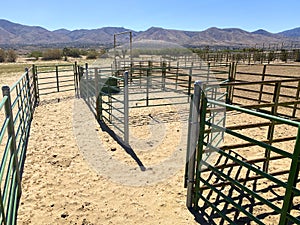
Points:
x=16 y=109
x=231 y=188
x=17 y=106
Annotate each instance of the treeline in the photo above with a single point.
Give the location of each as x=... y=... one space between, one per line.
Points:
x=8 y=55
x=58 y=54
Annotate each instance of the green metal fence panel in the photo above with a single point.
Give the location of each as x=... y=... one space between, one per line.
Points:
x=17 y=105
x=229 y=189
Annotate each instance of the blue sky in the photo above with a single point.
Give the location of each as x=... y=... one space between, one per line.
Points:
x=194 y=15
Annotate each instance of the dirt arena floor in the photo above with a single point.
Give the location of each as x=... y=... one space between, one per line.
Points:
x=65 y=181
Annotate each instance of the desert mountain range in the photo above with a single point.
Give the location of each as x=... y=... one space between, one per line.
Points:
x=17 y=34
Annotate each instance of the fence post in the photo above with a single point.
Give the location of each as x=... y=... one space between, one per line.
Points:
x=75 y=78
x=35 y=85
x=200 y=135
x=97 y=93
x=297 y=98
x=177 y=73
x=292 y=182
x=262 y=85
x=228 y=88
x=163 y=71
x=11 y=134
x=87 y=71
x=192 y=143
x=232 y=76
x=126 y=108
x=57 y=81
x=28 y=92
x=271 y=129
x=190 y=82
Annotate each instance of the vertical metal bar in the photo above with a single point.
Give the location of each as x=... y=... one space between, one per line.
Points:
x=87 y=71
x=115 y=54
x=163 y=77
x=11 y=134
x=271 y=129
x=4 y=219
x=297 y=98
x=192 y=143
x=202 y=109
x=190 y=83
x=131 y=58
x=97 y=93
x=57 y=81
x=28 y=93
x=177 y=73
x=228 y=89
x=140 y=73
x=126 y=108
x=208 y=72
x=75 y=77
x=87 y=89
x=233 y=79
x=262 y=85
x=188 y=143
x=292 y=180
x=35 y=85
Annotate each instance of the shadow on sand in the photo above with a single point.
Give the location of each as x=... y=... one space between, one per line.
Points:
x=125 y=146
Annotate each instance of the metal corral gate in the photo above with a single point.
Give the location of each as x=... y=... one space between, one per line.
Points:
x=110 y=93
x=50 y=79
x=231 y=188
x=107 y=96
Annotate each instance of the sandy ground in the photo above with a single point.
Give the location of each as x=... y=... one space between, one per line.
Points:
x=65 y=180
x=61 y=187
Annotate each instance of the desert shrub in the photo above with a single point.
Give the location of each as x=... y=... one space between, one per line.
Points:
x=297 y=55
x=2 y=55
x=283 y=55
x=52 y=54
x=271 y=56
x=36 y=54
x=257 y=56
x=11 y=56
x=72 y=52
x=92 y=54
